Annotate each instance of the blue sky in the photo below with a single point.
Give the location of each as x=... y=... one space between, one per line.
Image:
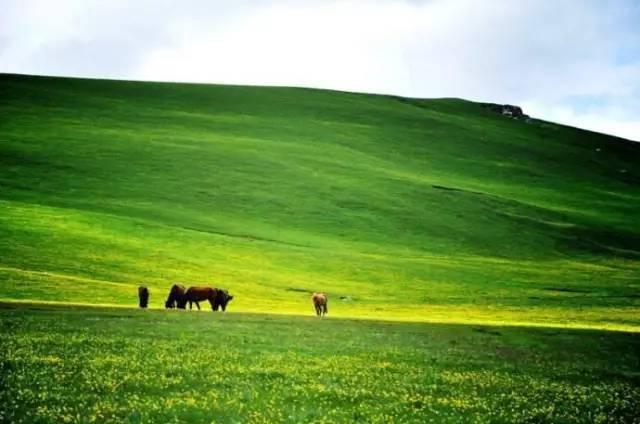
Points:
x=569 y=61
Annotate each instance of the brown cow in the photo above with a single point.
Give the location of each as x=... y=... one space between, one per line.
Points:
x=143 y=296
x=176 y=297
x=222 y=300
x=217 y=297
x=320 y=303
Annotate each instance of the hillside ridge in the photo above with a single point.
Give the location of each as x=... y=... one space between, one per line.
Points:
x=263 y=188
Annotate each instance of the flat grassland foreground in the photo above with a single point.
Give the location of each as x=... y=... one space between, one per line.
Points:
x=77 y=364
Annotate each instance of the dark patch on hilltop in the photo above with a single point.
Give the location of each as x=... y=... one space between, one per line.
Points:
x=565 y=290
x=440 y=187
x=510 y=111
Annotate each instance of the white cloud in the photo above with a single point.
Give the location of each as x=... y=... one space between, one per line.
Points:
x=327 y=46
x=543 y=55
x=615 y=120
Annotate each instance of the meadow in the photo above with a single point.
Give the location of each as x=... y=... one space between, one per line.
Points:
x=478 y=268
x=412 y=209
x=80 y=364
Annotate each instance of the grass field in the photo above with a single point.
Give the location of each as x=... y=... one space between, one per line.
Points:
x=413 y=209
x=486 y=267
x=66 y=364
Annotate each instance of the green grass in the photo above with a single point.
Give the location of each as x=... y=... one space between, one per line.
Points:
x=478 y=268
x=113 y=365
x=277 y=192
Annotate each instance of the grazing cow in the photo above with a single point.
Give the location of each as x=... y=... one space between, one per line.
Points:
x=143 y=296
x=222 y=299
x=217 y=297
x=177 y=297
x=320 y=303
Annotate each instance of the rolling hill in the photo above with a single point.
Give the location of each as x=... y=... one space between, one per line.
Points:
x=413 y=209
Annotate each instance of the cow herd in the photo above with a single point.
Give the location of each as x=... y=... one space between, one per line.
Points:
x=179 y=296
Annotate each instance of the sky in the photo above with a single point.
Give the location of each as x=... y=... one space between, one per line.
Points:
x=575 y=62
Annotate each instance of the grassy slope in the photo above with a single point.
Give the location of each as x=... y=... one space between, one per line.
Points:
x=274 y=192
x=104 y=365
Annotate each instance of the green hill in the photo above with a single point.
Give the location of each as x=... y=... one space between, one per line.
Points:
x=398 y=208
